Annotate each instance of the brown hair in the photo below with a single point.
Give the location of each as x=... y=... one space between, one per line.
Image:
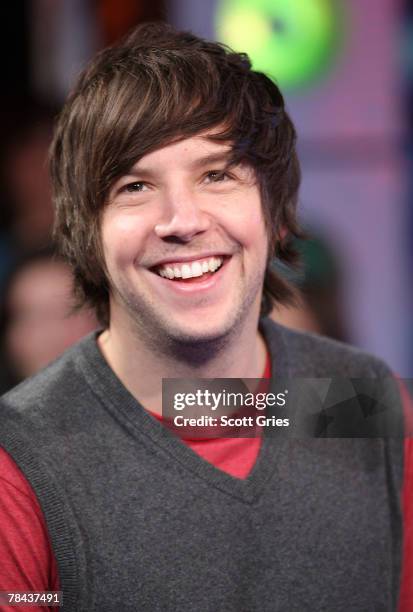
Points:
x=155 y=87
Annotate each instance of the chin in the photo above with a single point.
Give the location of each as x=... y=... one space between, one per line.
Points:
x=199 y=336
x=199 y=330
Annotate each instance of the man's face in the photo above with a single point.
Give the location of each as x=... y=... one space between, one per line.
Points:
x=185 y=244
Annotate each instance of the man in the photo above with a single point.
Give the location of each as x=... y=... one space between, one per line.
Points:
x=176 y=179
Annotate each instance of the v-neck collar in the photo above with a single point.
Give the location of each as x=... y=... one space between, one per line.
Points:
x=118 y=401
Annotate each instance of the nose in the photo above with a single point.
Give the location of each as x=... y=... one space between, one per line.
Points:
x=182 y=217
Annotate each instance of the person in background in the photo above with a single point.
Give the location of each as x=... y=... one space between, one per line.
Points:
x=318 y=304
x=38 y=321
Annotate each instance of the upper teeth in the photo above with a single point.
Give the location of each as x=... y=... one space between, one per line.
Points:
x=189 y=270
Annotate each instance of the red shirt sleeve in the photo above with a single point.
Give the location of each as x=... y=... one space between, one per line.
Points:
x=27 y=560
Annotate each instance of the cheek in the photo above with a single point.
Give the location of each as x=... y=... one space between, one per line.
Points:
x=246 y=224
x=123 y=238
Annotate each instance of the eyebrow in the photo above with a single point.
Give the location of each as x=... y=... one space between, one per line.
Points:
x=197 y=164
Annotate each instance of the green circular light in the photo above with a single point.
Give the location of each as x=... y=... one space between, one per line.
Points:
x=292 y=41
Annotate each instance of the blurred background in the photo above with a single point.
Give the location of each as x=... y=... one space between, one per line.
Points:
x=346 y=69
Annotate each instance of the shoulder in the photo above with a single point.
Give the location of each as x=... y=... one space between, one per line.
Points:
x=306 y=354
x=51 y=390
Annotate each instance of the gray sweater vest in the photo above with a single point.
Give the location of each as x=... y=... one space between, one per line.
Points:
x=139 y=522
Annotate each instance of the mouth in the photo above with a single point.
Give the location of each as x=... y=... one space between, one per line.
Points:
x=190 y=272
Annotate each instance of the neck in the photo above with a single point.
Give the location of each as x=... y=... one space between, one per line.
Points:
x=140 y=366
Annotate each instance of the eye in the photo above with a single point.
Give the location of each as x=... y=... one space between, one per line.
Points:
x=137 y=186
x=217 y=176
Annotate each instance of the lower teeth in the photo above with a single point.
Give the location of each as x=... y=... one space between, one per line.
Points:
x=194 y=278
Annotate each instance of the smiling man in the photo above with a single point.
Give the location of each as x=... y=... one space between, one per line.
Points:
x=175 y=183
x=185 y=248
